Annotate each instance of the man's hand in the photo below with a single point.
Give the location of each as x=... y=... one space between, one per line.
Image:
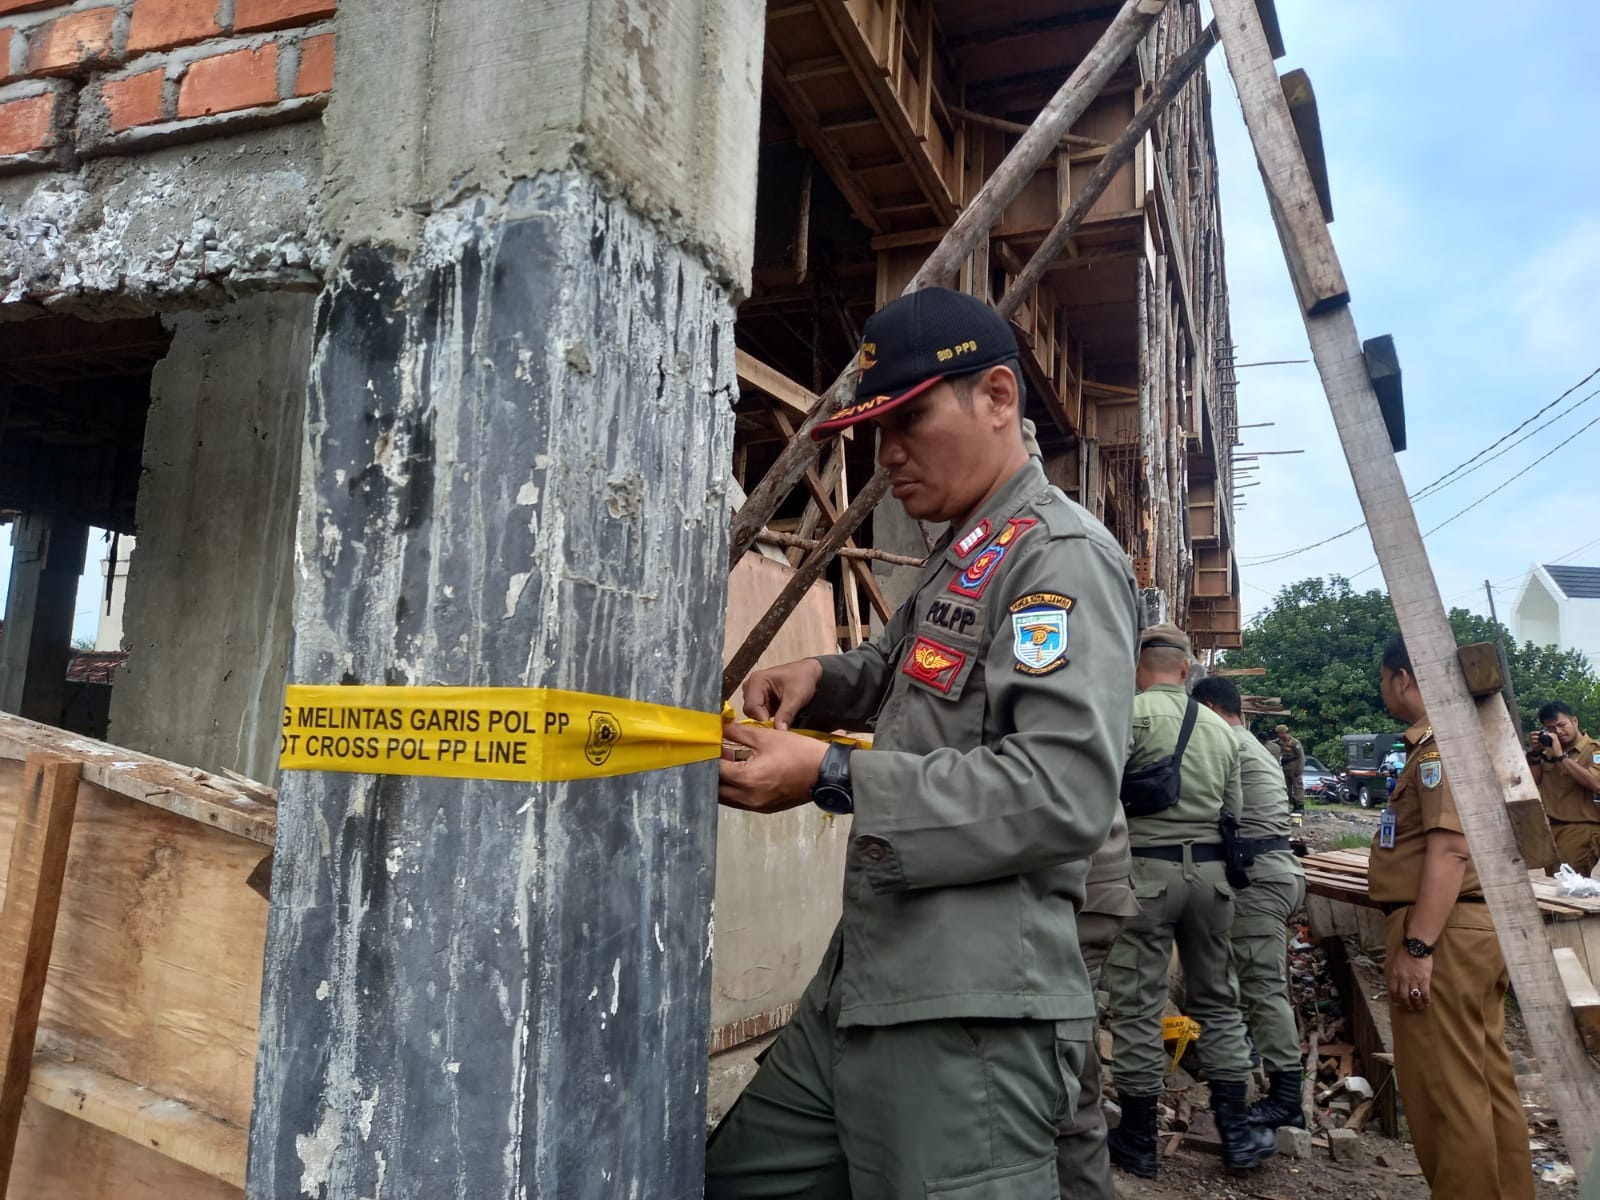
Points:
x=778 y=774
x=777 y=694
x=1405 y=974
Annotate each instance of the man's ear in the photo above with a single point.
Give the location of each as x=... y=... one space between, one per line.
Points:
x=1001 y=386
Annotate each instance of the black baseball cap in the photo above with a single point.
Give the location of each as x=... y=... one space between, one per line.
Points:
x=912 y=343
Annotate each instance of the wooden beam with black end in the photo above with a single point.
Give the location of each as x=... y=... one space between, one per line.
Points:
x=39 y=845
x=1383 y=368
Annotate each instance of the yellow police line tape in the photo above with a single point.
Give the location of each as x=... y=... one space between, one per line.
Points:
x=523 y=735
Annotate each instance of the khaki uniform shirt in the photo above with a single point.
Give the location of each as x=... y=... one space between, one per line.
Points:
x=1210 y=768
x=1565 y=799
x=1421 y=802
x=1266 y=805
x=1292 y=760
x=1110 y=891
x=1000 y=694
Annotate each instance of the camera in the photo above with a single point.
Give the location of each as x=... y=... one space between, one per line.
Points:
x=1546 y=740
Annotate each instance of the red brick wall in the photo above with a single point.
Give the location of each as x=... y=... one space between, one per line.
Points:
x=80 y=78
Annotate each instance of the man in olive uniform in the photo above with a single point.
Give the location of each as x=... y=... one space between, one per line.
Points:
x=1445 y=976
x=1292 y=757
x=1180 y=881
x=938 y=1047
x=1566 y=766
x=1261 y=912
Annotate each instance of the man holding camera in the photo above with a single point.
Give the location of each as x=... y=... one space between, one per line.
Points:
x=1566 y=766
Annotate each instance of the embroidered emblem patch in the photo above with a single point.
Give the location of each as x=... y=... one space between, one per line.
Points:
x=1039 y=627
x=980 y=570
x=953 y=615
x=934 y=664
x=969 y=543
x=1597 y=758
x=1431 y=773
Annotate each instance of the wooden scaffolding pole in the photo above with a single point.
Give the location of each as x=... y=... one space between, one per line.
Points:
x=1477 y=740
x=970 y=228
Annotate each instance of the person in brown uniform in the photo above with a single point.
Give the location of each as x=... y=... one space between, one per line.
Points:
x=1292 y=756
x=1445 y=975
x=1566 y=766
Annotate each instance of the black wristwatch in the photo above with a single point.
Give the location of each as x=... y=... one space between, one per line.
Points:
x=1418 y=948
x=832 y=788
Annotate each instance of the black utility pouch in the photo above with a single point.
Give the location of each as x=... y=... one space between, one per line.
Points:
x=1237 y=856
x=1157 y=786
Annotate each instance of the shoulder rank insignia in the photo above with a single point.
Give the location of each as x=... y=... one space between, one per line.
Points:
x=1039 y=626
x=969 y=541
x=1430 y=771
x=933 y=663
x=980 y=570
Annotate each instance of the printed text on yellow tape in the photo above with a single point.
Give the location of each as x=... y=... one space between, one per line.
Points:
x=519 y=734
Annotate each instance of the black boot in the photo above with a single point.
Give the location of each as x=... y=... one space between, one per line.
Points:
x=1281 y=1105
x=1243 y=1145
x=1133 y=1142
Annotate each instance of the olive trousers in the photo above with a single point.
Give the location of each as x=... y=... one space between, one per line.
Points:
x=1191 y=904
x=1260 y=938
x=953 y=1109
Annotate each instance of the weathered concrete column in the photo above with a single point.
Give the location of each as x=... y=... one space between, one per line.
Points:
x=46 y=563
x=211 y=583
x=518 y=440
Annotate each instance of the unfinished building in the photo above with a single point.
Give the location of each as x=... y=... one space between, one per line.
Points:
x=406 y=370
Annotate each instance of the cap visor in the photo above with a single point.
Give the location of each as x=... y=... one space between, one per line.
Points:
x=859 y=413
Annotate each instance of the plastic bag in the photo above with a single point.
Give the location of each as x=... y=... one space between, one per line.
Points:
x=1570 y=883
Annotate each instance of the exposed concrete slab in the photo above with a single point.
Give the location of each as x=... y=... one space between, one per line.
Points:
x=208 y=616
x=182 y=227
x=659 y=101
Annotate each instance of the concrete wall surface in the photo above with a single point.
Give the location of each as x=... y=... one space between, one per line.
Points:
x=185 y=226
x=210 y=588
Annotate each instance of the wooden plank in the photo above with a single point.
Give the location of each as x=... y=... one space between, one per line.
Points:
x=39 y=843
x=1302 y=101
x=1582 y=996
x=1307 y=244
x=1481 y=751
x=159 y=950
x=232 y=804
x=168 y=1126
x=62 y=1158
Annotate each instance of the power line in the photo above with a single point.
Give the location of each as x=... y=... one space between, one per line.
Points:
x=1503 y=485
x=1440 y=483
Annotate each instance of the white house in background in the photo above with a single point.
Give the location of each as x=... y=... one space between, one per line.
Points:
x=1560 y=605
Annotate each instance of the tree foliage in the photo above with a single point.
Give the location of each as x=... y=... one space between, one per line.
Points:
x=1321 y=641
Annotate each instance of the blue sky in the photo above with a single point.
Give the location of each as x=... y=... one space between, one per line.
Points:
x=1461 y=152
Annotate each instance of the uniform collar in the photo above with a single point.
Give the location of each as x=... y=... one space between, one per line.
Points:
x=1168 y=687
x=1419 y=733
x=1024 y=485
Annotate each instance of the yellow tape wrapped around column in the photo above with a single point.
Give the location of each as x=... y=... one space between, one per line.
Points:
x=526 y=735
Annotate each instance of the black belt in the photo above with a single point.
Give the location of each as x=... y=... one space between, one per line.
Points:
x=1268 y=844
x=1207 y=852
x=1387 y=909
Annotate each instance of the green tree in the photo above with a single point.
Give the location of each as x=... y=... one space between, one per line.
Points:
x=1321 y=641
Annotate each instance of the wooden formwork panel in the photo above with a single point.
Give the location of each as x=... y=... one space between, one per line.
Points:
x=147 y=1034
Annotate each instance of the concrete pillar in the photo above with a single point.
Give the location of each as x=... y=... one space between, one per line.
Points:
x=207 y=621
x=47 y=557
x=518 y=444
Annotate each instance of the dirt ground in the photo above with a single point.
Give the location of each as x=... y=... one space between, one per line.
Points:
x=1387 y=1170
